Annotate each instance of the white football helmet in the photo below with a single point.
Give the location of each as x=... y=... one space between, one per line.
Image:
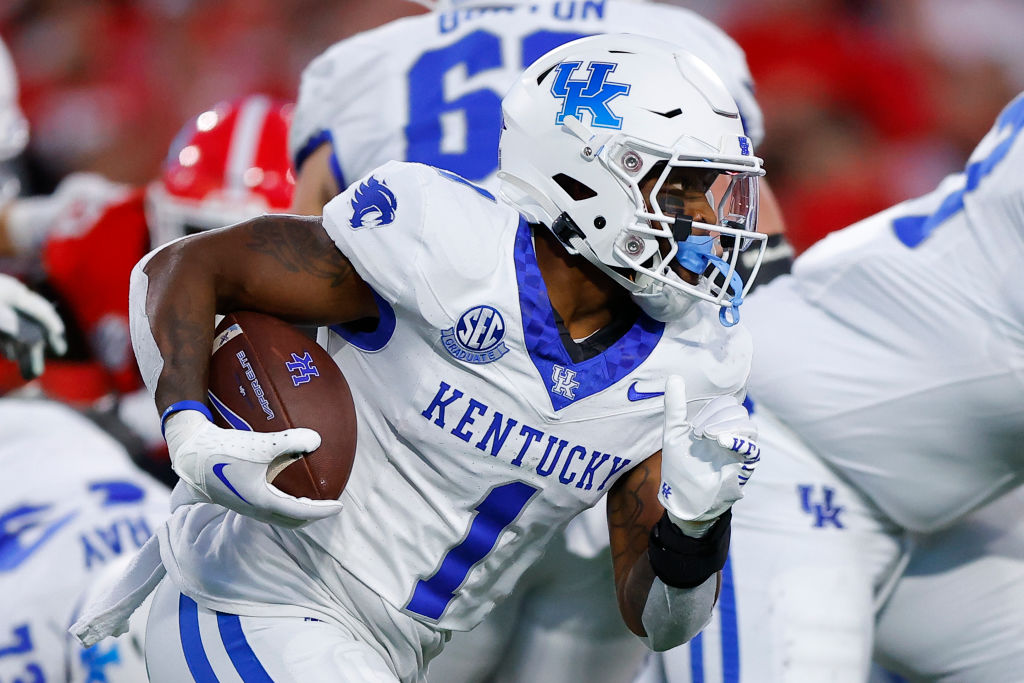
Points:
x=592 y=121
x=13 y=126
x=228 y=164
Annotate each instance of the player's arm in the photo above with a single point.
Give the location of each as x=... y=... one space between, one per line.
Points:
x=669 y=517
x=286 y=266
x=663 y=615
x=315 y=184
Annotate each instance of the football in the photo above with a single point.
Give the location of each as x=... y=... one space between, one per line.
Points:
x=267 y=376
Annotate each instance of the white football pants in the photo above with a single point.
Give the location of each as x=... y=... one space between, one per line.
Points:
x=186 y=642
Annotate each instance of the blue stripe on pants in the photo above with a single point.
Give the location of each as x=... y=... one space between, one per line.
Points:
x=697 y=659
x=729 y=626
x=246 y=663
x=192 y=642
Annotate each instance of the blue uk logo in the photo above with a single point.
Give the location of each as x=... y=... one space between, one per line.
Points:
x=373 y=204
x=302 y=368
x=593 y=94
x=824 y=513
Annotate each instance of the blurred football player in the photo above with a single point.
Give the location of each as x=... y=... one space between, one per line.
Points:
x=516 y=359
x=446 y=71
x=227 y=164
x=72 y=506
x=888 y=386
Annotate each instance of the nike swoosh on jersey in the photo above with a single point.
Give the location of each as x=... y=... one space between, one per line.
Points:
x=218 y=470
x=12 y=552
x=633 y=395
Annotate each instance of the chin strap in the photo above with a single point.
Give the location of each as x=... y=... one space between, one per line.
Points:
x=569 y=234
x=695 y=255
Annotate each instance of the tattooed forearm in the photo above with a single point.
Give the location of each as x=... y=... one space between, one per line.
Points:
x=625 y=515
x=300 y=249
x=187 y=345
x=633 y=509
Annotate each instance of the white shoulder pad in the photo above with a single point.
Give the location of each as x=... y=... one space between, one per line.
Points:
x=407 y=226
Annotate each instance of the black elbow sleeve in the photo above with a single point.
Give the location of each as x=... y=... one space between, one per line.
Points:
x=682 y=561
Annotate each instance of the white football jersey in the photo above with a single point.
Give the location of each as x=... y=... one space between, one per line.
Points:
x=479 y=436
x=896 y=347
x=72 y=504
x=428 y=88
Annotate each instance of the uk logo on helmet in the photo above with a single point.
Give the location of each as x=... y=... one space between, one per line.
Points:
x=593 y=94
x=477 y=336
x=373 y=204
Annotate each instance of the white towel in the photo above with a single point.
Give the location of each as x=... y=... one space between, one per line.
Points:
x=108 y=613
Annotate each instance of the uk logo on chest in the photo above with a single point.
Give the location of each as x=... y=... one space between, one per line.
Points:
x=477 y=337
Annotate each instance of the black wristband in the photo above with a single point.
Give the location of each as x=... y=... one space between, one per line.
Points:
x=683 y=561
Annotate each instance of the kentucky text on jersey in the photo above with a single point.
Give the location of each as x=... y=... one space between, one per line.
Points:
x=500 y=438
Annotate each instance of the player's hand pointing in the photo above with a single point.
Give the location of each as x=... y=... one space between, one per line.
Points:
x=709 y=451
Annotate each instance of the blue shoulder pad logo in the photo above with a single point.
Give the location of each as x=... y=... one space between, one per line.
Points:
x=593 y=94
x=477 y=336
x=373 y=204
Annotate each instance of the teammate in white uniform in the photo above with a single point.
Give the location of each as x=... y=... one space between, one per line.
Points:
x=442 y=75
x=71 y=505
x=483 y=427
x=889 y=386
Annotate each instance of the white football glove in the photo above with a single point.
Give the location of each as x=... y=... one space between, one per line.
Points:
x=229 y=467
x=706 y=458
x=28 y=324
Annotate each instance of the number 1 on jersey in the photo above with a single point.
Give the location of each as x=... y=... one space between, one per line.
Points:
x=499 y=508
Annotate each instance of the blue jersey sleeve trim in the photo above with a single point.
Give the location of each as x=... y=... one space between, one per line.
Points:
x=311 y=145
x=379 y=337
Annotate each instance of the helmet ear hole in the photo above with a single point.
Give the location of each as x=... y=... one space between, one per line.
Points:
x=574 y=188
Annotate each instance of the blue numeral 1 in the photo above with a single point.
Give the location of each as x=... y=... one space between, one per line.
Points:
x=499 y=508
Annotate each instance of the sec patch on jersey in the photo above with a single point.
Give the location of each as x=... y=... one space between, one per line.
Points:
x=267 y=376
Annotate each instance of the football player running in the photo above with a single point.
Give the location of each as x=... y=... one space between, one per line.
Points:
x=447 y=70
x=498 y=423
x=888 y=386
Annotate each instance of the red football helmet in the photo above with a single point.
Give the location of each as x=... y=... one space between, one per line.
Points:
x=228 y=164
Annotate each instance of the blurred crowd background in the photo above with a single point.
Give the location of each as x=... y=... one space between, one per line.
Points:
x=866 y=102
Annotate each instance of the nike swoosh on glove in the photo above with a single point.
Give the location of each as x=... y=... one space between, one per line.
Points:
x=707 y=457
x=229 y=467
